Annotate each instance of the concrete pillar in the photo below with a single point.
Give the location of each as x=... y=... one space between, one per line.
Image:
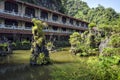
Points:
x=50 y=16
x=67 y=21
x=37 y=13
x=80 y=24
x=22 y=10
x=23 y=25
x=59 y=19
x=74 y=23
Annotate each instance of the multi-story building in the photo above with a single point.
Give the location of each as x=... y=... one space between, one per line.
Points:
x=16 y=16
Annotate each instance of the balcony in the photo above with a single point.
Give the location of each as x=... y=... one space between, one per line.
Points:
x=48 y=20
x=9 y=12
x=2 y=26
x=11 y=27
x=56 y=31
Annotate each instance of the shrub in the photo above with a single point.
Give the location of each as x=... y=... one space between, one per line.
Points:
x=93 y=51
x=115 y=40
x=26 y=45
x=41 y=59
x=3 y=47
x=50 y=46
x=84 y=54
x=13 y=45
x=108 y=52
x=18 y=45
x=75 y=40
x=61 y=43
x=107 y=68
x=91 y=25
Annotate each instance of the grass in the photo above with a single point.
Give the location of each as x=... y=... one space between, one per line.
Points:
x=65 y=66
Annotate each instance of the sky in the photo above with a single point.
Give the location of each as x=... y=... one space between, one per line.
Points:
x=115 y=4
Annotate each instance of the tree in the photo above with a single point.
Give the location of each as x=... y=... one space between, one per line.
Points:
x=40 y=54
x=91 y=25
x=74 y=40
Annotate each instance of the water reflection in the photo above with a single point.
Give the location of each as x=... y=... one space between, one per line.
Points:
x=25 y=72
x=13 y=70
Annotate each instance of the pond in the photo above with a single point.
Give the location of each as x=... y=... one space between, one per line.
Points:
x=65 y=66
x=16 y=67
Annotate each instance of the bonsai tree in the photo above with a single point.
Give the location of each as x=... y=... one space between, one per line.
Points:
x=40 y=54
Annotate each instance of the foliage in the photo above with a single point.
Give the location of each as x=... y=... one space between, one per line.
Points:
x=115 y=40
x=50 y=46
x=99 y=15
x=106 y=29
x=61 y=43
x=74 y=40
x=37 y=32
x=53 y=4
x=3 y=47
x=40 y=54
x=85 y=44
x=41 y=59
x=107 y=67
x=91 y=25
x=24 y=45
x=108 y=52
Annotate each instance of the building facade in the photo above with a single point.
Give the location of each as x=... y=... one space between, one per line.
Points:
x=16 y=16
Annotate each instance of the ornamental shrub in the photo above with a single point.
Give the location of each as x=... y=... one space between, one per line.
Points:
x=26 y=45
x=3 y=47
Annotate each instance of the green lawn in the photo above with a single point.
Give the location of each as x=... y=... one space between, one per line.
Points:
x=65 y=66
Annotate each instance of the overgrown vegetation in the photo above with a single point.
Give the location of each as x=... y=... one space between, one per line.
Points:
x=24 y=45
x=39 y=52
x=107 y=47
x=99 y=15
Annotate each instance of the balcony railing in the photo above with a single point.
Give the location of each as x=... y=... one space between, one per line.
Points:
x=2 y=26
x=27 y=16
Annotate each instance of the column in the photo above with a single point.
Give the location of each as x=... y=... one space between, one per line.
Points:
x=22 y=11
x=60 y=19
x=50 y=17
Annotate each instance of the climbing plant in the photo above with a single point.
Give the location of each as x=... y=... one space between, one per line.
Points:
x=40 y=54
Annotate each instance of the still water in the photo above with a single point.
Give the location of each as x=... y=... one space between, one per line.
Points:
x=16 y=67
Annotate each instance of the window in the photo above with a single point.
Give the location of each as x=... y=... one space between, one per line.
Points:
x=55 y=17
x=71 y=21
x=28 y=25
x=11 y=22
x=63 y=29
x=30 y=12
x=44 y=15
x=64 y=20
x=82 y=24
x=77 y=23
x=54 y=28
x=9 y=6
